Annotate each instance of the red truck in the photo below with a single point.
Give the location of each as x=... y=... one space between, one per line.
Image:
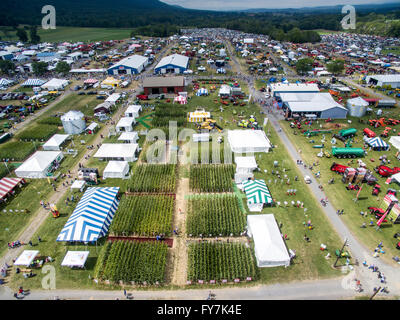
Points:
x=369 y=133
x=386 y=171
x=338 y=168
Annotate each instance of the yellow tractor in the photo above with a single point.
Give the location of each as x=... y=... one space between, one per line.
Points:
x=209 y=124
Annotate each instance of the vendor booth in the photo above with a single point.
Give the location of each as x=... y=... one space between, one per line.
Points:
x=248 y=141
x=55 y=142
x=26 y=258
x=257 y=194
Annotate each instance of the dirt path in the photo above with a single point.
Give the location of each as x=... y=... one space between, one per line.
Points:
x=179 y=248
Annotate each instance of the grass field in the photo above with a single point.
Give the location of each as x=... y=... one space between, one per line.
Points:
x=75 y=34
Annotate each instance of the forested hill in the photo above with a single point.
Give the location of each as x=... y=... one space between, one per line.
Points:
x=155 y=18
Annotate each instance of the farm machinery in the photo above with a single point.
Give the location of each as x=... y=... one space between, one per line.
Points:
x=385 y=171
x=347 y=152
x=209 y=124
x=311 y=133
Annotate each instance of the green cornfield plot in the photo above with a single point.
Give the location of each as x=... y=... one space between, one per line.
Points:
x=153 y=178
x=37 y=132
x=211 y=178
x=215 y=215
x=220 y=261
x=132 y=261
x=143 y=216
x=16 y=150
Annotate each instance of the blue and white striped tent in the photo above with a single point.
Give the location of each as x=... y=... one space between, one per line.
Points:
x=33 y=83
x=257 y=192
x=92 y=216
x=377 y=143
x=202 y=92
x=5 y=82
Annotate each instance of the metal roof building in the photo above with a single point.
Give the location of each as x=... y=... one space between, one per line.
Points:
x=175 y=63
x=384 y=80
x=130 y=65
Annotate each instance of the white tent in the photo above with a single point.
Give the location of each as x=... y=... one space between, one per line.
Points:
x=39 y=164
x=26 y=258
x=133 y=111
x=54 y=143
x=244 y=168
x=125 y=124
x=55 y=84
x=248 y=141
x=117 y=151
x=92 y=126
x=225 y=90
x=129 y=137
x=78 y=184
x=116 y=169
x=395 y=142
x=113 y=98
x=269 y=247
x=75 y=259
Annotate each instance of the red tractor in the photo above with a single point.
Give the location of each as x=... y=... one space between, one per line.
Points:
x=338 y=168
x=353 y=187
x=377 y=212
x=376 y=190
x=369 y=133
x=385 y=171
x=142 y=97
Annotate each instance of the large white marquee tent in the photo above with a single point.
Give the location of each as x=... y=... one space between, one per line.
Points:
x=269 y=246
x=39 y=164
x=248 y=141
x=116 y=169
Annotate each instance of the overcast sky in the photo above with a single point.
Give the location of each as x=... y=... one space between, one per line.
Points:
x=270 y=4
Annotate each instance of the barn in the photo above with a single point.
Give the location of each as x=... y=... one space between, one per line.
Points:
x=165 y=85
x=129 y=65
x=175 y=63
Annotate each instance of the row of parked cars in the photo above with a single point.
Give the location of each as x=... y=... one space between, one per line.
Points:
x=14 y=96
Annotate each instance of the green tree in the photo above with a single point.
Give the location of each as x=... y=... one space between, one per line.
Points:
x=63 y=67
x=336 y=66
x=6 y=66
x=304 y=65
x=35 y=38
x=22 y=35
x=39 y=68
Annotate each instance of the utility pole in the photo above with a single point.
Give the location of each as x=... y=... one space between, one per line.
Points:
x=375 y=293
x=340 y=253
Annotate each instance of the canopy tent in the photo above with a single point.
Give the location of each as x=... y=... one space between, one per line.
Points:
x=90 y=81
x=39 y=165
x=33 y=83
x=133 y=111
x=129 y=137
x=26 y=258
x=75 y=259
x=202 y=92
x=117 y=151
x=377 y=143
x=257 y=192
x=78 y=184
x=55 y=84
x=395 y=142
x=113 y=98
x=180 y=100
x=7 y=185
x=54 y=143
x=110 y=81
x=92 y=126
x=269 y=247
x=198 y=116
x=245 y=164
x=125 y=124
x=116 y=169
x=248 y=141
x=92 y=216
x=5 y=82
